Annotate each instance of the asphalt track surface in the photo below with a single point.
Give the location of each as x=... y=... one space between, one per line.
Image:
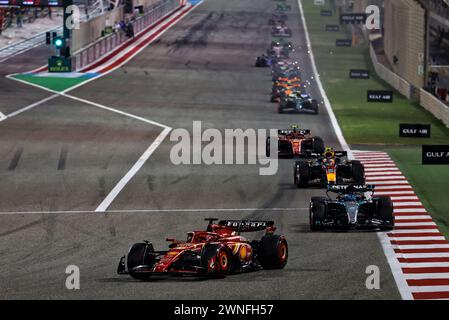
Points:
x=66 y=156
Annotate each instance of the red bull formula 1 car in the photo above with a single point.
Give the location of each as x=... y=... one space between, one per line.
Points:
x=216 y=252
x=332 y=167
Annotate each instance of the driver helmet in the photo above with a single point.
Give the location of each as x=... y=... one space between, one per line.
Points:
x=329 y=152
x=295 y=128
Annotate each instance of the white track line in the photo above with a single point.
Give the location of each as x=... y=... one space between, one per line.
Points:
x=429 y=288
x=423 y=264
x=426 y=276
x=386 y=193
x=29 y=107
x=413 y=217
x=417 y=238
x=393 y=188
x=146 y=155
x=386 y=177
x=404 y=198
x=425 y=255
x=418 y=210
x=383 y=174
x=406 y=204
x=396 y=269
x=388 y=250
x=155 y=210
x=132 y=172
x=94 y=104
x=326 y=100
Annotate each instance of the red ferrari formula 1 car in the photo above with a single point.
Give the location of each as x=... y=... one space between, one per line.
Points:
x=216 y=252
x=296 y=142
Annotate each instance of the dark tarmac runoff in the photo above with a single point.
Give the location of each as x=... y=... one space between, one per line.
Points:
x=59 y=161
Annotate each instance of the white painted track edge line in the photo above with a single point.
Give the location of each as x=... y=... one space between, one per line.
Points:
x=153 y=210
x=132 y=172
x=395 y=266
x=98 y=105
x=333 y=118
x=178 y=17
x=402 y=285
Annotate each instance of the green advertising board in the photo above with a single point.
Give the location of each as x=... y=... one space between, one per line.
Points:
x=59 y=64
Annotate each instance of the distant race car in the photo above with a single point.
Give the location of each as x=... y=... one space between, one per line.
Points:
x=298 y=103
x=282 y=89
x=351 y=209
x=296 y=143
x=332 y=167
x=279 y=16
x=283 y=43
x=263 y=61
x=285 y=69
x=274 y=21
x=216 y=252
x=279 y=51
x=281 y=7
x=281 y=31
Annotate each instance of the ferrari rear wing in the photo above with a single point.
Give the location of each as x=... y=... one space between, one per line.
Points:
x=246 y=226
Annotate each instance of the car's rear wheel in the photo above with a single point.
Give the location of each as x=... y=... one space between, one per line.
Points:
x=385 y=211
x=268 y=147
x=315 y=107
x=318 y=145
x=273 y=252
x=358 y=172
x=317 y=213
x=301 y=174
x=280 y=109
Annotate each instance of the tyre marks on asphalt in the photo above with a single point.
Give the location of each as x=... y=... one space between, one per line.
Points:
x=15 y=159
x=421 y=252
x=63 y=157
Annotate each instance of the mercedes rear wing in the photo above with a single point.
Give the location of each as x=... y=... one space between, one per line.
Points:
x=348 y=189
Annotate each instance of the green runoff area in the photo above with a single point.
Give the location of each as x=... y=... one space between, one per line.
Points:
x=375 y=126
x=53 y=83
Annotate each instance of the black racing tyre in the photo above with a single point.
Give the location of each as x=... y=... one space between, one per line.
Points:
x=358 y=172
x=217 y=260
x=315 y=107
x=280 y=109
x=273 y=252
x=301 y=174
x=385 y=211
x=268 y=147
x=317 y=213
x=140 y=254
x=318 y=145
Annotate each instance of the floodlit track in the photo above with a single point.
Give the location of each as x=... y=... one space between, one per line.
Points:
x=60 y=160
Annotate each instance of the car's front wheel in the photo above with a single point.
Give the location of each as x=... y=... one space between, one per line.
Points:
x=216 y=260
x=140 y=254
x=317 y=213
x=385 y=207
